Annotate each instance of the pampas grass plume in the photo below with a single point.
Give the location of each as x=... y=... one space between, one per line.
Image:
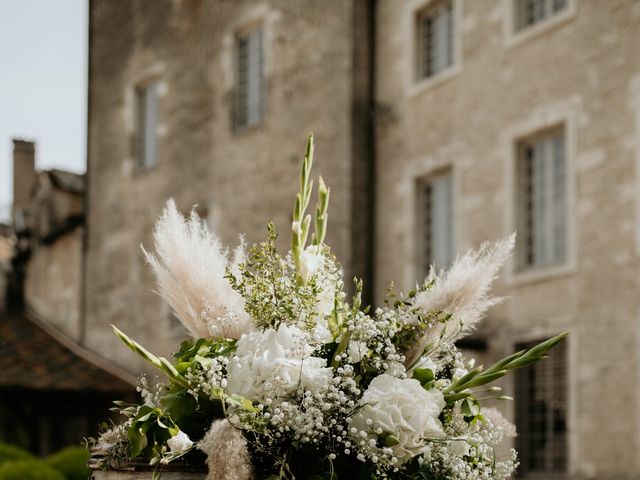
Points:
x=190 y=264
x=227 y=453
x=463 y=291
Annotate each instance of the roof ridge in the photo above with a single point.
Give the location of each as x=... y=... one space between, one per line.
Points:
x=78 y=349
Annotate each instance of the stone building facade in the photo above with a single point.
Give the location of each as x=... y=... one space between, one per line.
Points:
x=505 y=115
x=481 y=118
x=210 y=102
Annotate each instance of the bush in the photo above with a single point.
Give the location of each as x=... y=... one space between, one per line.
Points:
x=11 y=452
x=71 y=462
x=28 y=470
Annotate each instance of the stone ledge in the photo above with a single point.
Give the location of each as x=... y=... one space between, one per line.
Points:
x=119 y=475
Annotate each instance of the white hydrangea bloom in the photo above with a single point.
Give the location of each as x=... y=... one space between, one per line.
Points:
x=274 y=363
x=402 y=408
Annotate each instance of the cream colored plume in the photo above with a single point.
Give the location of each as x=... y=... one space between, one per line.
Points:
x=227 y=453
x=462 y=291
x=190 y=265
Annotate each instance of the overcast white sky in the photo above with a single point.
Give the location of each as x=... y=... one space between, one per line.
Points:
x=43 y=84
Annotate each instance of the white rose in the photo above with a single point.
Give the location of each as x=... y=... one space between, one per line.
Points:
x=275 y=363
x=402 y=408
x=179 y=443
x=311 y=262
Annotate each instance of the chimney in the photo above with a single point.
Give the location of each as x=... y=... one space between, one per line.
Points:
x=24 y=173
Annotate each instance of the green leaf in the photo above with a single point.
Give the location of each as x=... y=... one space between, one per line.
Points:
x=470 y=407
x=391 y=440
x=179 y=405
x=484 y=379
x=137 y=442
x=453 y=398
x=423 y=375
x=158 y=362
x=241 y=402
x=161 y=424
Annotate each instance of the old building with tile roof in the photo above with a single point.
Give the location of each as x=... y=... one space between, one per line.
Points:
x=53 y=390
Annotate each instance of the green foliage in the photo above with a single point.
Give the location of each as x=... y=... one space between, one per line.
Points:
x=183 y=406
x=11 y=452
x=477 y=377
x=29 y=470
x=158 y=362
x=71 y=462
x=273 y=291
x=197 y=351
x=412 y=322
x=321 y=217
x=151 y=427
x=301 y=222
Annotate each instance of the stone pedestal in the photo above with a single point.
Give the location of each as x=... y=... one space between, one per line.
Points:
x=192 y=466
x=123 y=475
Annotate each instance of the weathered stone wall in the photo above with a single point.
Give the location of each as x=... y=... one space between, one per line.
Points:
x=582 y=71
x=239 y=179
x=52 y=285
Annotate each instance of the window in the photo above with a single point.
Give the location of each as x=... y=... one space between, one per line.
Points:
x=435 y=49
x=541 y=414
x=531 y=12
x=146 y=124
x=435 y=222
x=542 y=202
x=249 y=106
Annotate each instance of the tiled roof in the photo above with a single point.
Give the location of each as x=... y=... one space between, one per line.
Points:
x=31 y=358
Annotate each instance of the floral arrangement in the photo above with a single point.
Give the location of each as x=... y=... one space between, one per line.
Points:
x=286 y=377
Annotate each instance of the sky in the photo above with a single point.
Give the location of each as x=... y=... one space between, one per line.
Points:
x=43 y=84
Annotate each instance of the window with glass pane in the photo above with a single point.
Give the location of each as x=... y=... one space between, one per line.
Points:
x=531 y=12
x=542 y=200
x=434 y=39
x=147 y=124
x=541 y=414
x=435 y=222
x=249 y=106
